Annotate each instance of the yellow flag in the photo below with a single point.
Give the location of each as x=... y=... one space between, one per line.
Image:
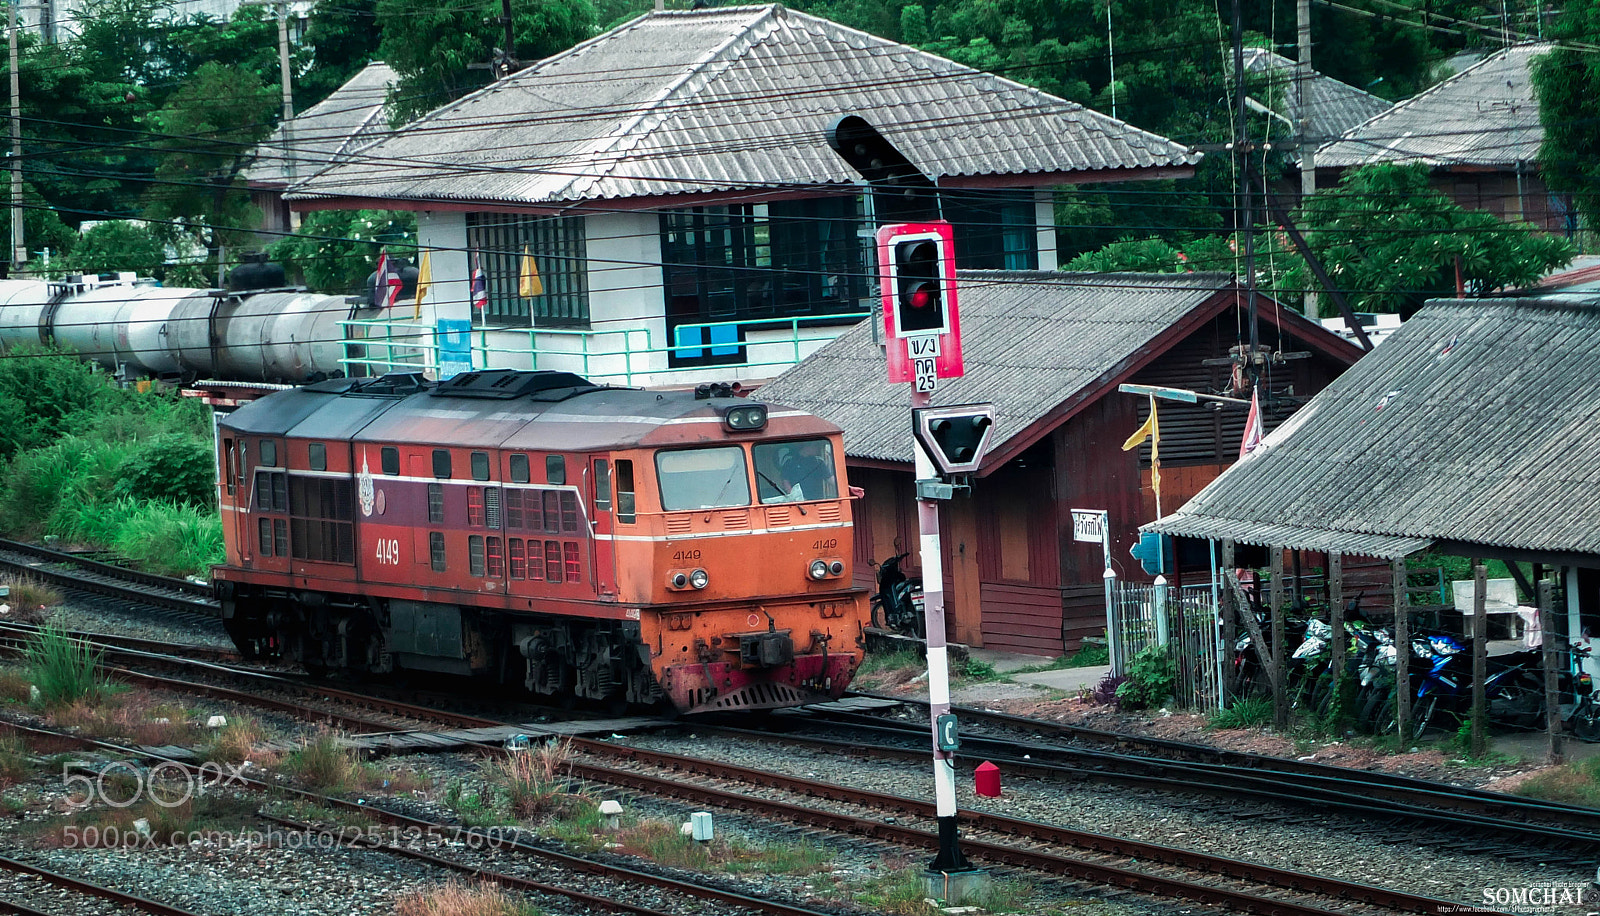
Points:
x=424 y=280
x=528 y=282
x=1150 y=430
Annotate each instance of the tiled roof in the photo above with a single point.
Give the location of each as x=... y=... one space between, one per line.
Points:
x=1031 y=341
x=329 y=130
x=1485 y=115
x=1335 y=107
x=1473 y=424
x=735 y=98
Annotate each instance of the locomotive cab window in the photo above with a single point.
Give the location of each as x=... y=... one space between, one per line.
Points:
x=519 y=469
x=317 y=456
x=269 y=453
x=227 y=464
x=441 y=463
x=602 y=485
x=389 y=457
x=625 y=501
x=703 y=478
x=480 y=465
x=555 y=469
x=788 y=472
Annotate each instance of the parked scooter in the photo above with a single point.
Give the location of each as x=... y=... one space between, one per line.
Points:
x=897 y=605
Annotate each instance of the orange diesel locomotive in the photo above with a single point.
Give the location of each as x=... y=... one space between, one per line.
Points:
x=620 y=545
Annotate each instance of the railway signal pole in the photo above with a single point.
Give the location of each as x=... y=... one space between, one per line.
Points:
x=922 y=330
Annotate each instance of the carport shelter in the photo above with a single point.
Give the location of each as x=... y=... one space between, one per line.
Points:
x=1470 y=431
x=1049 y=350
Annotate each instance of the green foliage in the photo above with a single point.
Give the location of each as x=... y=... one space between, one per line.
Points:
x=120 y=245
x=974 y=669
x=1567 y=81
x=40 y=390
x=432 y=43
x=1152 y=674
x=1243 y=712
x=335 y=250
x=171 y=540
x=1575 y=783
x=1392 y=241
x=1089 y=655
x=341 y=43
x=175 y=468
x=63 y=668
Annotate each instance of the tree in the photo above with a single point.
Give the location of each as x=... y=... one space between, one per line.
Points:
x=207 y=129
x=433 y=44
x=335 y=250
x=1568 y=84
x=1391 y=242
x=119 y=245
x=342 y=41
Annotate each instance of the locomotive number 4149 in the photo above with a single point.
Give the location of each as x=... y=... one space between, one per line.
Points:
x=388 y=552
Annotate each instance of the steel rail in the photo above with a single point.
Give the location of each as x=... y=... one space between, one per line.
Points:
x=1053 y=863
x=109 y=581
x=89 y=888
x=107 y=569
x=569 y=861
x=1316 y=791
x=1404 y=788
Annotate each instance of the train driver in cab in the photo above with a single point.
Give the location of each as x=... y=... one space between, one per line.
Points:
x=796 y=472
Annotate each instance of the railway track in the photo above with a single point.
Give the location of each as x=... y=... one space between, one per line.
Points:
x=583 y=869
x=1292 y=781
x=83 y=888
x=81 y=574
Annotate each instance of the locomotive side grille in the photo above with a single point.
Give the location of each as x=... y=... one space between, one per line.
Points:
x=777 y=517
x=678 y=524
x=762 y=696
x=828 y=512
x=736 y=520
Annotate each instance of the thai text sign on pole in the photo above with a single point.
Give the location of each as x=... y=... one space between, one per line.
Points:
x=921 y=322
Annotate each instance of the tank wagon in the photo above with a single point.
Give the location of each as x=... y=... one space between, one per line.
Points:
x=691 y=549
x=256 y=330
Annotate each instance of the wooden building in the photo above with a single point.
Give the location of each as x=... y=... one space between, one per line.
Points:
x=1049 y=350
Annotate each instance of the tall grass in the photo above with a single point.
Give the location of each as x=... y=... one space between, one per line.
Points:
x=63 y=668
x=457 y=899
x=168 y=539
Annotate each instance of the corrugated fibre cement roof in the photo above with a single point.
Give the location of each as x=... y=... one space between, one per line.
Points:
x=734 y=98
x=1031 y=340
x=1475 y=423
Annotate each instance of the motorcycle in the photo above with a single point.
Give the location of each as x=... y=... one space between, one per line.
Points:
x=1584 y=722
x=897 y=605
x=1512 y=690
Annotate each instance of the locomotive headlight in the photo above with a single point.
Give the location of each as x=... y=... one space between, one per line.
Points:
x=836 y=568
x=699 y=579
x=680 y=580
x=819 y=569
x=746 y=417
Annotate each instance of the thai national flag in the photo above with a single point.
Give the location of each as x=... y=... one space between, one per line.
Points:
x=387 y=283
x=480 y=287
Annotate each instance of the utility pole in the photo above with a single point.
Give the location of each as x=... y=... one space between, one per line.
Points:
x=19 y=247
x=290 y=166
x=1308 y=142
x=1244 y=219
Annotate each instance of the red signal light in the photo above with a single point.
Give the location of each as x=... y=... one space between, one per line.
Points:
x=921 y=298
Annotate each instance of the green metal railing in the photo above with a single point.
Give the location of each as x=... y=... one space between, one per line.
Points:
x=412 y=346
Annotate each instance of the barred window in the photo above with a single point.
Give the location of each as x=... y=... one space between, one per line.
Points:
x=569 y=512
x=519 y=558
x=558 y=247
x=435 y=504
x=436 y=550
x=491 y=508
x=497 y=565
x=264 y=530
x=574 y=569
x=475 y=564
x=280 y=537
x=513 y=510
x=272 y=491
x=323 y=519
x=552 y=561
x=552 y=511
x=475 y=506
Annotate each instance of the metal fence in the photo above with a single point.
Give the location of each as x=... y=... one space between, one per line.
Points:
x=1184 y=619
